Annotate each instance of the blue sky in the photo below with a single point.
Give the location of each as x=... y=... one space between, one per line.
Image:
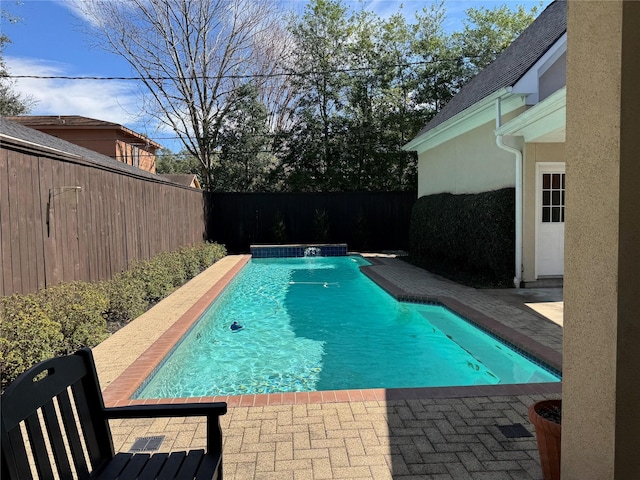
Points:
x=49 y=41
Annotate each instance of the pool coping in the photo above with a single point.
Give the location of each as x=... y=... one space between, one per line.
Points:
x=119 y=392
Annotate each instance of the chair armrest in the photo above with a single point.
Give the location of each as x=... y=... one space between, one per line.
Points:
x=212 y=411
x=169 y=410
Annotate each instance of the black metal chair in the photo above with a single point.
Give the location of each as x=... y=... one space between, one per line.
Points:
x=59 y=405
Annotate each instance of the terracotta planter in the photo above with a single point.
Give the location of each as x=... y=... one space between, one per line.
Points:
x=548 y=437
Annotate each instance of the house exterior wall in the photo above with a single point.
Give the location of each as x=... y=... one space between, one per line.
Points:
x=100 y=141
x=135 y=155
x=601 y=379
x=534 y=153
x=469 y=163
x=554 y=78
x=109 y=142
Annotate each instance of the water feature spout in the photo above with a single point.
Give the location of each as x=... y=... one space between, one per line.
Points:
x=312 y=252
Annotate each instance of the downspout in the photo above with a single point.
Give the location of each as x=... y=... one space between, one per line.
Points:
x=517 y=280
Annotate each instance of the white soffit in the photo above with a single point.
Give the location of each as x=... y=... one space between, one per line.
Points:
x=544 y=122
x=474 y=116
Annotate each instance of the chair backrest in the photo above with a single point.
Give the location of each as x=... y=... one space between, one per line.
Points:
x=52 y=421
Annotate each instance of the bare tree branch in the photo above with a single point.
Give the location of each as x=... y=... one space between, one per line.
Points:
x=189 y=54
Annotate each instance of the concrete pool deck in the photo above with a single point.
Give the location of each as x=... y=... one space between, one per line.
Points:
x=407 y=433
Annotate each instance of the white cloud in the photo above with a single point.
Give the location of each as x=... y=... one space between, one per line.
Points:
x=384 y=8
x=76 y=9
x=110 y=100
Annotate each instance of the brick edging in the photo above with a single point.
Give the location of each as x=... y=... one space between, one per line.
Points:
x=119 y=392
x=522 y=342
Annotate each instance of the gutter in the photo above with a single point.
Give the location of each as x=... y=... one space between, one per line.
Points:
x=517 y=279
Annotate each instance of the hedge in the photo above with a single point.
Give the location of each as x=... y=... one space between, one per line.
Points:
x=63 y=318
x=470 y=238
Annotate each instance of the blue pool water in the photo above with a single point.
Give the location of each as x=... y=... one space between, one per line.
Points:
x=320 y=324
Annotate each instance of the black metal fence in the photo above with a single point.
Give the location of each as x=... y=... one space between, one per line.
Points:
x=365 y=221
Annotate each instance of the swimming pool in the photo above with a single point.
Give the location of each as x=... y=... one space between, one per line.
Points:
x=320 y=324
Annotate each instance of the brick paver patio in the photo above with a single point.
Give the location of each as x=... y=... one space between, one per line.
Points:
x=401 y=434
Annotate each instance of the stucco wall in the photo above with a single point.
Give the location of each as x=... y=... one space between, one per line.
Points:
x=601 y=378
x=533 y=153
x=469 y=163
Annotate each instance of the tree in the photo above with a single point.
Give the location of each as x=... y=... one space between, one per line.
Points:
x=486 y=33
x=353 y=99
x=192 y=57
x=320 y=36
x=245 y=140
x=438 y=73
x=11 y=102
x=182 y=162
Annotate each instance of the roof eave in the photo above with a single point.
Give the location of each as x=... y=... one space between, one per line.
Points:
x=545 y=116
x=464 y=121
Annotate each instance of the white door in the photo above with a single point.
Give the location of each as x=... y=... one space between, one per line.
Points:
x=550 y=181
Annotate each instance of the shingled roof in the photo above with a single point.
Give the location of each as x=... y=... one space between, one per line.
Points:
x=516 y=60
x=184 y=179
x=61 y=120
x=69 y=121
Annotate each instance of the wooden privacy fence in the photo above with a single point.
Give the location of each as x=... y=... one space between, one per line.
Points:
x=67 y=213
x=65 y=218
x=363 y=220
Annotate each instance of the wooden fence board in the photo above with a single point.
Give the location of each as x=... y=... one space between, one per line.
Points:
x=104 y=225
x=48 y=245
x=38 y=232
x=74 y=197
x=56 y=222
x=90 y=226
x=143 y=247
x=6 y=280
x=29 y=165
x=141 y=224
x=129 y=225
x=118 y=253
x=15 y=196
x=113 y=205
x=82 y=224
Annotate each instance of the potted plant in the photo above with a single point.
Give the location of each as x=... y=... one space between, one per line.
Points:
x=546 y=417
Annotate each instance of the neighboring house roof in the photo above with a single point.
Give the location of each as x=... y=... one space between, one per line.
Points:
x=511 y=64
x=12 y=130
x=185 y=179
x=77 y=121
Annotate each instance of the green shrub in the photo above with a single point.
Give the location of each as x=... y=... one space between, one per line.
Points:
x=171 y=263
x=466 y=237
x=190 y=261
x=79 y=308
x=210 y=253
x=156 y=279
x=61 y=319
x=126 y=295
x=27 y=335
